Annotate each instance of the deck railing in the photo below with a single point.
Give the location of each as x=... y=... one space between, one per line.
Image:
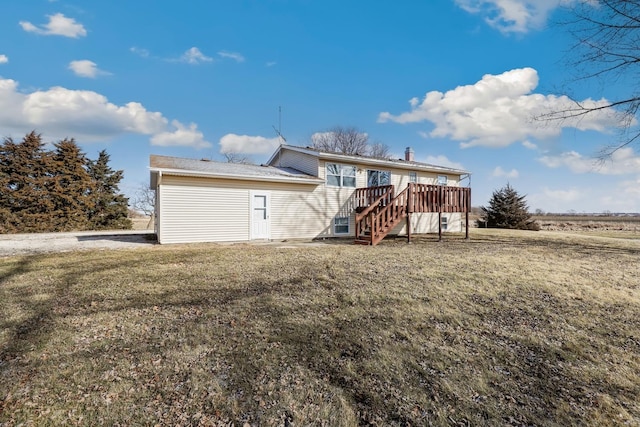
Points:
x=366 y=197
x=379 y=212
x=439 y=198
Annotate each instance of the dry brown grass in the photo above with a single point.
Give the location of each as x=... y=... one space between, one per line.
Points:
x=606 y=226
x=144 y=223
x=511 y=328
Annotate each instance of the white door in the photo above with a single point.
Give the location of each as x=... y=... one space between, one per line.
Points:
x=260 y=214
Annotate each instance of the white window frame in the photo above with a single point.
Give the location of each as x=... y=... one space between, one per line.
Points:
x=378 y=172
x=342 y=175
x=336 y=225
x=444 y=222
x=413 y=177
x=443 y=180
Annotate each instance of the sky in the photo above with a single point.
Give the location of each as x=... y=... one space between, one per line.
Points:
x=459 y=81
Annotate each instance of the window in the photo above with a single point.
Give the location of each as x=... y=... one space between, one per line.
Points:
x=341 y=175
x=442 y=180
x=413 y=177
x=341 y=225
x=378 y=178
x=444 y=222
x=259 y=207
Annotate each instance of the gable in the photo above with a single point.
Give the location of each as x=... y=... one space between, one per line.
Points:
x=303 y=162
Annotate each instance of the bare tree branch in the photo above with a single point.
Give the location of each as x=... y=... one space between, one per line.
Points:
x=237 y=158
x=342 y=140
x=144 y=200
x=380 y=151
x=606 y=50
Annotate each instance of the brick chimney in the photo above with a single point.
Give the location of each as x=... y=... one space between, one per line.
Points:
x=408 y=155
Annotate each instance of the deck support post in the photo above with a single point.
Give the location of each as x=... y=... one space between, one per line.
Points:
x=409 y=209
x=385 y=210
x=466 y=227
x=467 y=210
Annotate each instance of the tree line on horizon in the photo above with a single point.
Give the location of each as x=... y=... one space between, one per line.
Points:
x=58 y=189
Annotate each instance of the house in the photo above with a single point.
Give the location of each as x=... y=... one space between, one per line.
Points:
x=305 y=193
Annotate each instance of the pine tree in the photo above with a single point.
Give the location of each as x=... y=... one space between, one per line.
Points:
x=110 y=207
x=70 y=188
x=25 y=205
x=507 y=209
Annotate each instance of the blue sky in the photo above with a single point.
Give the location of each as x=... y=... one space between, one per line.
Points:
x=457 y=80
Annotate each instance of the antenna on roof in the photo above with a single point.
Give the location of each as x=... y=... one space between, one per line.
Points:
x=279 y=130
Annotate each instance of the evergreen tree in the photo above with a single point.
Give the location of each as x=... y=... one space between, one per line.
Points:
x=70 y=188
x=25 y=205
x=110 y=207
x=507 y=209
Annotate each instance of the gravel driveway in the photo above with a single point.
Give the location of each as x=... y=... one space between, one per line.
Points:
x=18 y=244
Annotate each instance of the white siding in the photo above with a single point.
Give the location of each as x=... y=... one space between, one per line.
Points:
x=202 y=212
x=213 y=210
x=216 y=210
x=303 y=162
x=340 y=199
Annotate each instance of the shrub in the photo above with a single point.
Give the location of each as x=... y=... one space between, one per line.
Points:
x=507 y=209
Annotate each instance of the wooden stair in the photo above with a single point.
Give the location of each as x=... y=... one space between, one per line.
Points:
x=380 y=212
x=375 y=222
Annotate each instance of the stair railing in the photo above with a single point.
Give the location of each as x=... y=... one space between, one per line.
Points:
x=370 y=200
x=387 y=217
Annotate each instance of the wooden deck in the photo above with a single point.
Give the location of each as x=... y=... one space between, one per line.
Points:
x=379 y=211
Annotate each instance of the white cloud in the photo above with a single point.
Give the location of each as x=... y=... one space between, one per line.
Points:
x=86 y=68
x=557 y=200
x=513 y=16
x=630 y=203
x=498 y=111
x=85 y=115
x=144 y=53
x=4 y=59
x=570 y=195
x=623 y=161
x=58 y=25
x=530 y=145
x=589 y=198
x=443 y=161
x=498 y=172
x=194 y=56
x=321 y=136
x=183 y=136
x=423 y=134
x=245 y=144
x=270 y=63
x=231 y=55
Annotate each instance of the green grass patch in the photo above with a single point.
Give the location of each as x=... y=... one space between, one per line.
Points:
x=510 y=328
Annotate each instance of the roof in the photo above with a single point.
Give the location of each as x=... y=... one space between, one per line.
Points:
x=178 y=166
x=354 y=158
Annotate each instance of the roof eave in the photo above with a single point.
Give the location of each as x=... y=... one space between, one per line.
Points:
x=201 y=174
x=392 y=163
x=369 y=161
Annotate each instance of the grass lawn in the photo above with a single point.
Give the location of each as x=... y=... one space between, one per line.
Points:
x=511 y=328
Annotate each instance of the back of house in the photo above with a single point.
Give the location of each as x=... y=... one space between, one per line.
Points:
x=300 y=193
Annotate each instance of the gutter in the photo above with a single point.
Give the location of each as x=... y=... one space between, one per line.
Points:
x=293 y=180
x=370 y=161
